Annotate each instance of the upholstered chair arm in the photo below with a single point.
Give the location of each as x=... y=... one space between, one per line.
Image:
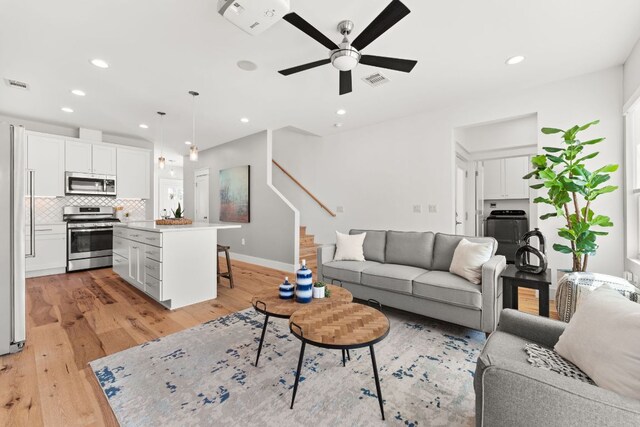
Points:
x=537 y=329
x=515 y=393
x=325 y=254
x=492 y=292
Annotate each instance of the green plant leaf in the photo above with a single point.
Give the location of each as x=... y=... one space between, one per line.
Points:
x=555 y=159
x=587 y=157
x=607 y=169
x=547 y=174
x=593 y=141
x=601 y=221
x=562 y=248
x=548 y=215
x=566 y=234
x=542 y=200
x=552 y=149
x=530 y=175
x=536 y=186
x=588 y=125
x=550 y=131
x=539 y=161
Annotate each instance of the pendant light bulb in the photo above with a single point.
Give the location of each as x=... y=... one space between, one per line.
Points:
x=193 y=150
x=161 y=159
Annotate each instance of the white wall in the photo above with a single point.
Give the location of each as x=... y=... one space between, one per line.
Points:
x=379 y=172
x=632 y=76
x=507 y=134
x=270 y=236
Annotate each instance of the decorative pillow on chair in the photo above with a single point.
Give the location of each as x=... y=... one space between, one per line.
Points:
x=349 y=247
x=603 y=340
x=469 y=258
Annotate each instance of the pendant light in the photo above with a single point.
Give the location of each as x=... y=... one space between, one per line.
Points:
x=193 y=150
x=161 y=159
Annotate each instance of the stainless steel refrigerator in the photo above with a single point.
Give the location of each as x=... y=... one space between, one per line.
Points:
x=16 y=194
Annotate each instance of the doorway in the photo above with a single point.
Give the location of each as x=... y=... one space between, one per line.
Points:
x=461 y=213
x=170 y=193
x=201 y=192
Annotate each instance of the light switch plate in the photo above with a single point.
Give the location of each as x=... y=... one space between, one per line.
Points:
x=340 y=209
x=433 y=208
x=417 y=208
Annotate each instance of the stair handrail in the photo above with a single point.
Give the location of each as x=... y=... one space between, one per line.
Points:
x=322 y=205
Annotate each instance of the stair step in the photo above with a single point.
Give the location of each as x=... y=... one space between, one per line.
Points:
x=306 y=240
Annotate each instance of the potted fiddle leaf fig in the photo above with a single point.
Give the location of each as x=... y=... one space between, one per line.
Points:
x=571 y=190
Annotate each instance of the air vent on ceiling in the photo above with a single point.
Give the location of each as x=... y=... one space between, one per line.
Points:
x=376 y=79
x=17 y=84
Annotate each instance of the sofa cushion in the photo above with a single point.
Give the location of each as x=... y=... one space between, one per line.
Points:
x=445 y=245
x=410 y=248
x=391 y=277
x=374 y=244
x=447 y=287
x=346 y=271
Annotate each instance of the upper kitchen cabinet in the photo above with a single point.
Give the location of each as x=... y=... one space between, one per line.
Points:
x=87 y=157
x=134 y=180
x=104 y=159
x=45 y=156
x=503 y=178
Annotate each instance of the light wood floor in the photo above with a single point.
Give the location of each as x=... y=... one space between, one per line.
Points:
x=75 y=318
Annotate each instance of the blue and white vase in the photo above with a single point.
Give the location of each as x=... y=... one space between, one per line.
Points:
x=304 y=284
x=286 y=289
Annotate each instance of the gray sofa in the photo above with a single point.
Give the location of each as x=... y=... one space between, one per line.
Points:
x=410 y=271
x=511 y=392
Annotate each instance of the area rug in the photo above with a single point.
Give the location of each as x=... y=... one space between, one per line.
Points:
x=205 y=376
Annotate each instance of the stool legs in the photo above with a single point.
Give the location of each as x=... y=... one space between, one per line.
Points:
x=229 y=273
x=226 y=252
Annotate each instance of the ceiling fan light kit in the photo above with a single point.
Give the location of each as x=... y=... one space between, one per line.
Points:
x=346 y=56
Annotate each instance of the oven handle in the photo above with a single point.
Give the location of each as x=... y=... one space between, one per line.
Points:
x=87 y=230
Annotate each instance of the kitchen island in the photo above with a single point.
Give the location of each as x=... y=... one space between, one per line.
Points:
x=173 y=264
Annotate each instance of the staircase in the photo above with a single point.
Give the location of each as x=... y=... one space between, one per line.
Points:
x=308 y=250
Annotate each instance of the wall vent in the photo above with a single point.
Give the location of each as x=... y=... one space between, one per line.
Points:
x=17 y=84
x=376 y=79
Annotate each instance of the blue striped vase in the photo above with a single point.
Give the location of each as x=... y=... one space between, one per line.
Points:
x=304 y=284
x=286 y=289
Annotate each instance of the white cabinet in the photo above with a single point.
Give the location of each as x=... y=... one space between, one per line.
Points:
x=104 y=159
x=133 y=173
x=45 y=156
x=87 y=157
x=78 y=156
x=503 y=178
x=50 y=251
x=135 y=275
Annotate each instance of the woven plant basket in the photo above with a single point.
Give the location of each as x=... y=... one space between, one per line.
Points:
x=174 y=221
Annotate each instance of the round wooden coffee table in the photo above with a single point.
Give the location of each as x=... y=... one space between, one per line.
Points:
x=340 y=326
x=269 y=303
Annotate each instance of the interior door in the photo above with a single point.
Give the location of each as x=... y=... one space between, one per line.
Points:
x=201 y=208
x=461 y=211
x=479 y=198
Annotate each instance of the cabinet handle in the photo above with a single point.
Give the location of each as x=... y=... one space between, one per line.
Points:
x=134 y=247
x=135 y=235
x=44 y=229
x=150 y=238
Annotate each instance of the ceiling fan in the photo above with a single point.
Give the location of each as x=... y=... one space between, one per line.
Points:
x=346 y=56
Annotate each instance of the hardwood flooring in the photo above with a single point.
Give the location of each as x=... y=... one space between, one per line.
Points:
x=75 y=318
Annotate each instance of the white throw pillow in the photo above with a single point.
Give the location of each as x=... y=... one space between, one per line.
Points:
x=603 y=340
x=349 y=247
x=469 y=258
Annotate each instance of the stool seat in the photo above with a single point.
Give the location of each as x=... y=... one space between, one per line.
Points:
x=227 y=274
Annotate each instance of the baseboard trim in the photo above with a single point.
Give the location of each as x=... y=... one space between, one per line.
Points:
x=45 y=272
x=277 y=265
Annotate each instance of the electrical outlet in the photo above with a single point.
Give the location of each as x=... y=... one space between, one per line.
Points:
x=340 y=209
x=433 y=208
x=242 y=242
x=417 y=208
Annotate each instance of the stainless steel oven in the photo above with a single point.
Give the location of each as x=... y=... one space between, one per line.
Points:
x=89 y=237
x=90 y=184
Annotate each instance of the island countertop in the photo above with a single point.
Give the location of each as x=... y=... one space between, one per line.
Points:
x=153 y=227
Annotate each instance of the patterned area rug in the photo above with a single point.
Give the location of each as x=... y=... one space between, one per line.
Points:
x=205 y=376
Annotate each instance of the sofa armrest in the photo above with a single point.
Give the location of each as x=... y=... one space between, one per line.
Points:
x=514 y=393
x=325 y=253
x=491 y=292
x=537 y=329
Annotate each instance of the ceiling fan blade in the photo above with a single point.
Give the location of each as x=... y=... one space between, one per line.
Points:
x=405 y=65
x=389 y=17
x=304 y=67
x=297 y=21
x=345 y=82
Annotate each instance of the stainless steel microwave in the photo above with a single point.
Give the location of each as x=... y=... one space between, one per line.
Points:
x=90 y=184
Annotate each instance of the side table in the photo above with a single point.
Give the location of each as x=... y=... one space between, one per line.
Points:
x=512 y=279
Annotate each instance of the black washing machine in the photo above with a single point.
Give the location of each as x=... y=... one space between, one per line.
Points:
x=507 y=227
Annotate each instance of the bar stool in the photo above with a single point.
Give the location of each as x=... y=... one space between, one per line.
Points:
x=227 y=274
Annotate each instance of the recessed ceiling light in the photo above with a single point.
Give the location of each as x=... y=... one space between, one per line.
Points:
x=338 y=125
x=247 y=65
x=187 y=142
x=67 y=110
x=100 y=63
x=341 y=112
x=78 y=92
x=143 y=126
x=244 y=120
x=515 y=60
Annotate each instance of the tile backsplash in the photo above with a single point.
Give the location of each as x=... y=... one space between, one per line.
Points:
x=49 y=210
